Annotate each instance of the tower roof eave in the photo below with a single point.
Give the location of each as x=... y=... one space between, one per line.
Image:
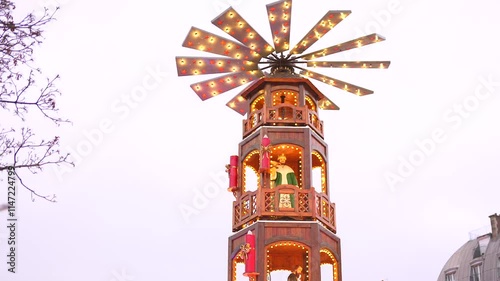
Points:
x=239 y=103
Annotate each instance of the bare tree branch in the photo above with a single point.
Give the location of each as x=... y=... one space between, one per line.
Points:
x=20 y=148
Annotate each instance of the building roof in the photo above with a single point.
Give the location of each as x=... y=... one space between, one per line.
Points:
x=483 y=251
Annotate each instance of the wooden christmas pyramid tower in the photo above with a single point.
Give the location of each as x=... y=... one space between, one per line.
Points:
x=282 y=213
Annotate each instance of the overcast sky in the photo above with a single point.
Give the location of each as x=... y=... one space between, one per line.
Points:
x=413 y=167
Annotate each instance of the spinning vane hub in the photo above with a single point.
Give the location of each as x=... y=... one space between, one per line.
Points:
x=281 y=64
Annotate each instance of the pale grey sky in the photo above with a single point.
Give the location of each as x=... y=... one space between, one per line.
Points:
x=146 y=146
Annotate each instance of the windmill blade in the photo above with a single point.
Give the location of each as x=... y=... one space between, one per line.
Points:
x=233 y=24
x=218 y=85
x=336 y=83
x=279 y=15
x=350 y=64
x=238 y=104
x=356 y=43
x=205 y=41
x=325 y=24
x=206 y=65
x=326 y=104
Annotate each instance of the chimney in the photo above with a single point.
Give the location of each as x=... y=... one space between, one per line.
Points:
x=495 y=226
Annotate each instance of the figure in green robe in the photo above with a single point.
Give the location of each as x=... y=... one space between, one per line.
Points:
x=281 y=173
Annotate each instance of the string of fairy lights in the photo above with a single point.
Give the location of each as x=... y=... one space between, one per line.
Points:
x=332 y=261
x=294 y=244
x=323 y=170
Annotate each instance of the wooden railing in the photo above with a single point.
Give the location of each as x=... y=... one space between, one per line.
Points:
x=284 y=201
x=282 y=115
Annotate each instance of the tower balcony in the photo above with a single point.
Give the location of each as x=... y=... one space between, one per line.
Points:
x=283 y=115
x=284 y=202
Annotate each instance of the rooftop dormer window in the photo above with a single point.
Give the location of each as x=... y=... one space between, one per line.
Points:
x=475 y=272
